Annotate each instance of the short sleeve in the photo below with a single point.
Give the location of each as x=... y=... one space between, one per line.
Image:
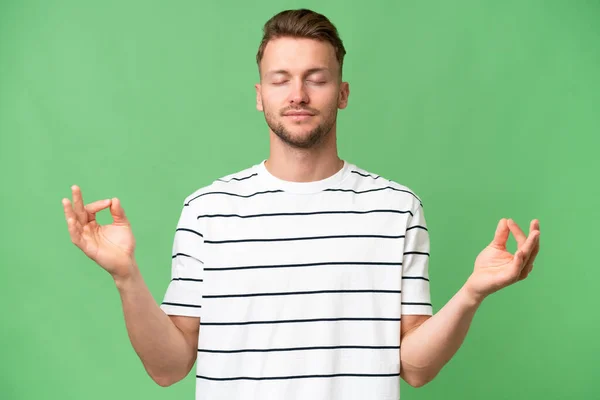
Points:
x=416 y=298
x=184 y=293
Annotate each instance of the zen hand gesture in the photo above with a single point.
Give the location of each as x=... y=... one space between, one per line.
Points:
x=496 y=268
x=111 y=246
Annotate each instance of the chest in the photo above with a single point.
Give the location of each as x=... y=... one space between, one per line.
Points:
x=282 y=246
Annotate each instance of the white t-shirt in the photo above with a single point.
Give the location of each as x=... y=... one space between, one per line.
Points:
x=300 y=286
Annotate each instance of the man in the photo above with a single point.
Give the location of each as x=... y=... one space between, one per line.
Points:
x=308 y=274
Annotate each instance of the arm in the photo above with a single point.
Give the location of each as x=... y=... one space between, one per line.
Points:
x=429 y=342
x=166 y=345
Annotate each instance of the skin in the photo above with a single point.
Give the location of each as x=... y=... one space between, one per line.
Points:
x=295 y=74
x=301 y=74
x=429 y=342
x=165 y=344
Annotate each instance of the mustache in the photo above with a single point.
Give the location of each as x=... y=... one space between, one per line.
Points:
x=288 y=109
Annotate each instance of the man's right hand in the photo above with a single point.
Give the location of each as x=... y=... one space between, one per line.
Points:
x=110 y=246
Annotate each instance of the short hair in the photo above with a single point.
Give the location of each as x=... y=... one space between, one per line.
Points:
x=302 y=23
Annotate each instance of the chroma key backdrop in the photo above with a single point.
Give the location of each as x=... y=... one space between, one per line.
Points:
x=486 y=109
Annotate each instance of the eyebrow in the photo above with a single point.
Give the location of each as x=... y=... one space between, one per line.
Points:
x=308 y=72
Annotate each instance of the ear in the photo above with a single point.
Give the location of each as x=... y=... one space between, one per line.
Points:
x=344 y=93
x=259 y=105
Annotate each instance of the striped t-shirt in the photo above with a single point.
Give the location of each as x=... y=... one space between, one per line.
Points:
x=300 y=286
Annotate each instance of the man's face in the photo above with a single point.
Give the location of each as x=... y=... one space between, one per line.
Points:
x=300 y=90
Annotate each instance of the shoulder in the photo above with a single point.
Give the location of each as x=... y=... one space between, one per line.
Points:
x=230 y=183
x=369 y=180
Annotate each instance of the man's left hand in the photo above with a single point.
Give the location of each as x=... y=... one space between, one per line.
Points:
x=496 y=268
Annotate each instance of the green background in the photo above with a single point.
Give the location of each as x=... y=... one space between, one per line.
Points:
x=487 y=109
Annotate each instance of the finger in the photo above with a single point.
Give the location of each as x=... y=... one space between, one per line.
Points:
x=534 y=253
x=501 y=235
x=536 y=249
x=72 y=223
x=529 y=246
x=530 y=257
x=517 y=232
x=70 y=214
x=520 y=263
x=517 y=265
x=534 y=225
x=96 y=206
x=117 y=212
x=68 y=209
x=524 y=274
x=526 y=271
x=78 y=205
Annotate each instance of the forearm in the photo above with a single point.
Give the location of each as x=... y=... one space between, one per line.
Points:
x=161 y=346
x=425 y=350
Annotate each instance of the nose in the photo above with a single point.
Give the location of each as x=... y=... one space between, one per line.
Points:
x=298 y=94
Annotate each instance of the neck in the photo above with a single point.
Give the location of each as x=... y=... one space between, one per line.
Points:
x=304 y=165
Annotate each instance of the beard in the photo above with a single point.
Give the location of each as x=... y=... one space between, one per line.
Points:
x=305 y=140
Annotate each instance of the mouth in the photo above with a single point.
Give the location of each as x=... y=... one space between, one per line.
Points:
x=298 y=115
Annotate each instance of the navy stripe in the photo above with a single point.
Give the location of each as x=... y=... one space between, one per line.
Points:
x=238 y=179
x=415 y=277
x=303 y=213
x=366 y=175
x=235 y=194
x=416 y=227
x=187 y=279
x=294 y=377
x=189 y=230
x=376 y=190
x=415 y=304
x=301 y=238
x=286 y=321
x=298 y=293
x=299 y=348
x=181 y=304
x=305 y=265
x=416 y=252
x=187 y=255
x=326 y=190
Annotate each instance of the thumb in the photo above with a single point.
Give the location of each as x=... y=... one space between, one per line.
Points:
x=501 y=235
x=117 y=212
